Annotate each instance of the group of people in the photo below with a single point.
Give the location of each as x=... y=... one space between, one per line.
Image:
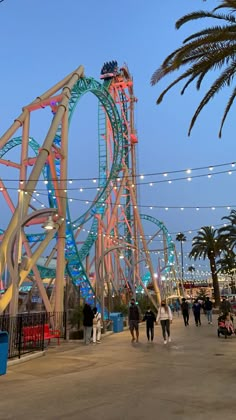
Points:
x=196 y=308
x=92 y=324
x=164 y=316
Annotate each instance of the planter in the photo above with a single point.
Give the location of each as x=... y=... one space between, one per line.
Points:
x=76 y=335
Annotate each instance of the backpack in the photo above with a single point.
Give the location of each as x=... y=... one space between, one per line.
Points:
x=95 y=319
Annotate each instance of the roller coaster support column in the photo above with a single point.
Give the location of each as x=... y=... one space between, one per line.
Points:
x=60 y=273
x=142 y=237
x=41 y=159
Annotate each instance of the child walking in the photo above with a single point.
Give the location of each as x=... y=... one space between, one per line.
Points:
x=165 y=317
x=150 y=318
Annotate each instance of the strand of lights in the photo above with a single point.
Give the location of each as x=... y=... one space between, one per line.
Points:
x=151 y=184
x=142 y=176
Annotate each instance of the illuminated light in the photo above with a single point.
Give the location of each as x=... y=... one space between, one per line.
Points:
x=98 y=189
x=65 y=190
x=86 y=202
x=21 y=182
x=118 y=179
x=37 y=194
x=166 y=208
x=209 y=176
x=70 y=181
x=133 y=185
x=228 y=208
x=49 y=191
x=189 y=179
x=1 y=189
x=169 y=182
x=49 y=225
x=189 y=231
x=150 y=208
x=188 y=171
x=165 y=174
x=213 y=208
x=26 y=192
x=34 y=199
x=94 y=180
x=45 y=182
x=71 y=199
x=35 y=191
x=135 y=207
x=197 y=208
x=230 y=172
x=151 y=184
x=141 y=176
x=42 y=205
x=211 y=168
x=81 y=189
x=182 y=208
x=233 y=165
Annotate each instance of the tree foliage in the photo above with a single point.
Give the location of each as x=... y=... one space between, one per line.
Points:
x=212 y=48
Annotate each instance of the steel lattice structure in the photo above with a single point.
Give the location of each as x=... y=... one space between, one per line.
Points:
x=113 y=214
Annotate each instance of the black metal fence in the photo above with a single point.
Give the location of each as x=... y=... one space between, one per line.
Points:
x=30 y=332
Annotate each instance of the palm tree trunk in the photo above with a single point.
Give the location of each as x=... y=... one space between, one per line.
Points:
x=182 y=262
x=215 y=281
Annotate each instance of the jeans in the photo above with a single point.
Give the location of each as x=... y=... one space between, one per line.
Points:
x=186 y=317
x=165 y=325
x=87 y=334
x=197 y=317
x=209 y=316
x=150 y=330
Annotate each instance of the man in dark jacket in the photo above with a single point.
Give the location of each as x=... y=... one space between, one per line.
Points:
x=197 y=312
x=134 y=318
x=185 y=311
x=87 y=322
x=150 y=318
x=225 y=306
x=208 y=309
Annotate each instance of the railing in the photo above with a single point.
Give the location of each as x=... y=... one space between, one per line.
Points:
x=26 y=331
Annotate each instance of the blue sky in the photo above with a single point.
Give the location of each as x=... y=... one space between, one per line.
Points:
x=42 y=41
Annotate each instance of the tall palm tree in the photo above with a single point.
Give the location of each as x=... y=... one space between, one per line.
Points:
x=228 y=232
x=212 y=48
x=207 y=244
x=181 y=238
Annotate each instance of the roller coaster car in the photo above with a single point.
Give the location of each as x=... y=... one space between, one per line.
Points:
x=133 y=139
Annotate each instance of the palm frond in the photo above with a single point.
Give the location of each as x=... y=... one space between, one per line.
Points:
x=227 y=109
x=210 y=31
x=215 y=87
x=203 y=14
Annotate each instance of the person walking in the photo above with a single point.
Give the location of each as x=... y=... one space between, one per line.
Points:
x=96 y=326
x=225 y=306
x=87 y=323
x=185 y=311
x=197 y=312
x=165 y=317
x=150 y=318
x=208 y=309
x=134 y=319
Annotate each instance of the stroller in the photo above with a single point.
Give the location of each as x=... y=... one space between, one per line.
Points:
x=225 y=325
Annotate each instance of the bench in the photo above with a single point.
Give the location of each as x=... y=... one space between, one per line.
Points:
x=50 y=333
x=38 y=333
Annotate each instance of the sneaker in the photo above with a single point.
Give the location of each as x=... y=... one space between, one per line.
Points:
x=169 y=339
x=98 y=341
x=165 y=342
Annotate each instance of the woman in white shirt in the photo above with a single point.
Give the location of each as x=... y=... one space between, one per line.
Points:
x=165 y=316
x=96 y=326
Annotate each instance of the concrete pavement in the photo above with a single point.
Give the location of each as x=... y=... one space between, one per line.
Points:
x=194 y=377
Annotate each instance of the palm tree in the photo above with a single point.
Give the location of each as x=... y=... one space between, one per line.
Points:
x=207 y=244
x=212 y=48
x=181 y=238
x=227 y=265
x=228 y=232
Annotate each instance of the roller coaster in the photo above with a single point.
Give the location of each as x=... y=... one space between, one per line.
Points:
x=36 y=235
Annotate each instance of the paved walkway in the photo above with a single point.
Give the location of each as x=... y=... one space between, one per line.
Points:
x=194 y=377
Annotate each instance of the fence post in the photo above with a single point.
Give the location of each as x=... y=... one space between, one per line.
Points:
x=19 y=320
x=43 y=323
